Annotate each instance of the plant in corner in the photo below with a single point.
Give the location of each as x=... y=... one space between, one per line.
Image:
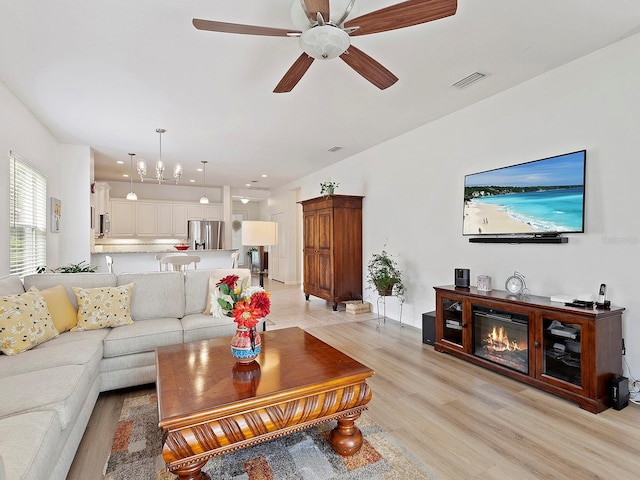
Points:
x=81 y=267
x=384 y=274
x=327 y=188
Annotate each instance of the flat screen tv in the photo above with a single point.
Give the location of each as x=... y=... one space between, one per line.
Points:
x=543 y=197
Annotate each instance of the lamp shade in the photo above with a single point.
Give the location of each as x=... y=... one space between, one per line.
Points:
x=256 y=233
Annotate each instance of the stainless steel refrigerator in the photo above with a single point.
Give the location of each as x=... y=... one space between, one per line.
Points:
x=206 y=234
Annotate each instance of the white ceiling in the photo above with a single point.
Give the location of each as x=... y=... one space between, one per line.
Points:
x=107 y=74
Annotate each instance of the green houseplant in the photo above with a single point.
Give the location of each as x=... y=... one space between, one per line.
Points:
x=383 y=273
x=327 y=188
x=81 y=267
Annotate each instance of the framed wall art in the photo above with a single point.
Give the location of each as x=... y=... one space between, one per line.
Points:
x=56 y=214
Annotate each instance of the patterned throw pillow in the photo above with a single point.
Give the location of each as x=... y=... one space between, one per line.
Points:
x=212 y=307
x=103 y=307
x=25 y=322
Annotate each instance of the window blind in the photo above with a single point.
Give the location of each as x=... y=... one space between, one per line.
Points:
x=27 y=217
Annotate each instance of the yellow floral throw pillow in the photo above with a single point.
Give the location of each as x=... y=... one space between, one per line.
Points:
x=25 y=322
x=103 y=307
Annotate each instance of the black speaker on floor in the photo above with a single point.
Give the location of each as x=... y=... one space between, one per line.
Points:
x=619 y=393
x=461 y=277
x=429 y=328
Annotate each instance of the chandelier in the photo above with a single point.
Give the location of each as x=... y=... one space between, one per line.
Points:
x=142 y=166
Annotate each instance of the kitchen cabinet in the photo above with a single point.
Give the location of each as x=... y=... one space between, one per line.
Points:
x=123 y=218
x=165 y=219
x=179 y=220
x=332 y=248
x=204 y=212
x=146 y=219
x=172 y=220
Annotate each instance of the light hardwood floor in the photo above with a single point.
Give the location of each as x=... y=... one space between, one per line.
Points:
x=462 y=421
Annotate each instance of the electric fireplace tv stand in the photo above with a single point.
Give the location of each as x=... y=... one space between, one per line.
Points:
x=568 y=351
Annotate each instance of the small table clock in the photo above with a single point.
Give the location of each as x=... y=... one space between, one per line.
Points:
x=515 y=284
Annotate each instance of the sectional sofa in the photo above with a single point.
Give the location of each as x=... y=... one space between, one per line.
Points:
x=47 y=393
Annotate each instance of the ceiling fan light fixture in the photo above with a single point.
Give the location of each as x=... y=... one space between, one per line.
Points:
x=324 y=42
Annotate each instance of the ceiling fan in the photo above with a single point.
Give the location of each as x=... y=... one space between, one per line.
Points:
x=325 y=35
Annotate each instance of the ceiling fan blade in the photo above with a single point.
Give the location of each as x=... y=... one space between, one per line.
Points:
x=315 y=6
x=224 y=27
x=368 y=68
x=294 y=74
x=405 y=14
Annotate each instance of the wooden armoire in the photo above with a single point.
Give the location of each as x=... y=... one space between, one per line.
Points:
x=332 y=243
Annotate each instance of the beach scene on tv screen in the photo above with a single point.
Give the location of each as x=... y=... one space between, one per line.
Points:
x=535 y=197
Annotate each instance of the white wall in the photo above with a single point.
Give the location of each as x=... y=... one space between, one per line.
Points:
x=23 y=134
x=74 y=242
x=413 y=187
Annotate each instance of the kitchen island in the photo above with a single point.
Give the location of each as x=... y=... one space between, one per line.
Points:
x=131 y=256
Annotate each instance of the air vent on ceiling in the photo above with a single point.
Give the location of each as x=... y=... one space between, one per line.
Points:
x=468 y=80
x=334 y=149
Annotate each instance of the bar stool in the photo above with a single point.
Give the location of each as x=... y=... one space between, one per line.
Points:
x=163 y=267
x=180 y=263
x=234 y=259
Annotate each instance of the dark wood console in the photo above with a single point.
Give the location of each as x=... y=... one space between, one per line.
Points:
x=571 y=352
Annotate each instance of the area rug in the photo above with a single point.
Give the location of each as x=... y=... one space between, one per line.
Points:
x=306 y=455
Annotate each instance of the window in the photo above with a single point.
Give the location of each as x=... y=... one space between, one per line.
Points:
x=27 y=217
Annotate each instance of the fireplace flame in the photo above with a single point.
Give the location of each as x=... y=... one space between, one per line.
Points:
x=498 y=341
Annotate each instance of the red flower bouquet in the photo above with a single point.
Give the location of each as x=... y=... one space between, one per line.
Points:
x=246 y=305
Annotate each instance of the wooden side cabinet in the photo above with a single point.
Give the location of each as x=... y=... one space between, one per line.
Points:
x=571 y=352
x=332 y=248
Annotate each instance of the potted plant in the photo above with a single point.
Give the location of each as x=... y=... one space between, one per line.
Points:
x=81 y=267
x=327 y=188
x=384 y=274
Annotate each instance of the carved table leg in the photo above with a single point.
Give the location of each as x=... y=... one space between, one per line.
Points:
x=192 y=472
x=346 y=438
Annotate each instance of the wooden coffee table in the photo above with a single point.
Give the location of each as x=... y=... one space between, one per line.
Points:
x=208 y=405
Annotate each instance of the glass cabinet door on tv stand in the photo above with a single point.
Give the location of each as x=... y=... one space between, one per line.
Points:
x=453 y=323
x=561 y=357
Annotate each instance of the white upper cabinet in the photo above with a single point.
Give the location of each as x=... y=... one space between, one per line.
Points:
x=212 y=212
x=179 y=211
x=195 y=212
x=165 y=219
x=123 y=218
x=148 y=218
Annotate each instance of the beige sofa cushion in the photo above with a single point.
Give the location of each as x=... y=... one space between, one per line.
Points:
x=143 y=336
x=52 y=355
x=11 y=285
x=84 y=280
x=63 y=389
x=155 y=294
x=30 y=444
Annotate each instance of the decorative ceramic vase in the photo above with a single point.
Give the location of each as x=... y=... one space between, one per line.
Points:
x=246 y=344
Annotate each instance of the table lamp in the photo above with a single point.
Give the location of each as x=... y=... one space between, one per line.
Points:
x=259 y=234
